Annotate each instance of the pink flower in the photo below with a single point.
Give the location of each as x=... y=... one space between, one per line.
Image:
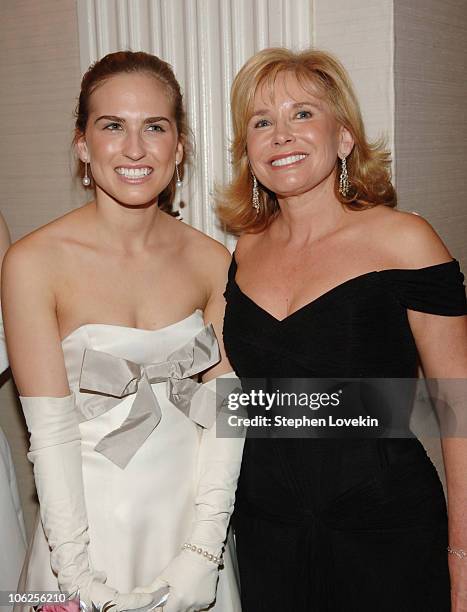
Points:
x=71 y=605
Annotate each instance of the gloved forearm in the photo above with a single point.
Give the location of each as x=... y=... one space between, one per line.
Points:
x=55 y=451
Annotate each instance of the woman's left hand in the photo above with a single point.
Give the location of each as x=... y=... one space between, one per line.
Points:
x=192 y=581
x=458 y=573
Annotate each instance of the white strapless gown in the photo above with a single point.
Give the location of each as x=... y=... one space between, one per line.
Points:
x=139 y=516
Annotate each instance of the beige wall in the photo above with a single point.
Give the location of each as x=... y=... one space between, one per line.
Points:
x=431 y=118
x=39 y=76
x=431 y=122
x=360 y=33
x=39 y=73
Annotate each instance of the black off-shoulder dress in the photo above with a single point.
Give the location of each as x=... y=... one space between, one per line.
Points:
x=341 y=525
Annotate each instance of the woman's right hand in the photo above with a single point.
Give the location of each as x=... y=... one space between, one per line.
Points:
x=99 y=593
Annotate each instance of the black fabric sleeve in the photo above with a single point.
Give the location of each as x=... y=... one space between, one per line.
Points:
x=437 y=289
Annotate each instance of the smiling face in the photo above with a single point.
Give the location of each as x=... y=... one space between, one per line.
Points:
x=131 y=139
x=293 y=139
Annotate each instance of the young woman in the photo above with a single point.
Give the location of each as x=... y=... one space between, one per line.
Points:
x=330 y=281
x=110 y=314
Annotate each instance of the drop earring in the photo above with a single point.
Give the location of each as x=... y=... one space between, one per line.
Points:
x=344 y=184
x=178 y=182
x=86 y=180
x=255 y=194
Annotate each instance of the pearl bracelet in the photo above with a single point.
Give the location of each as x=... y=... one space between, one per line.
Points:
x=206 y=554
x=458 y=552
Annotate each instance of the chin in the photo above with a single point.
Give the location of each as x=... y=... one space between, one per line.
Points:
x=135 y=202
x=132 y=195
x=288 y=191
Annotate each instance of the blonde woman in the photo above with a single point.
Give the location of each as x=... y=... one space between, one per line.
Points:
x=328 y=280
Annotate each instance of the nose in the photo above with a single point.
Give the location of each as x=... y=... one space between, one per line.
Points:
x=134 y=147
x=282 y=133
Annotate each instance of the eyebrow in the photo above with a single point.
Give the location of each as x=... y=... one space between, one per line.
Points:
x=307 y=103
x=121 y=120
x=265 y=111
x=262 y=111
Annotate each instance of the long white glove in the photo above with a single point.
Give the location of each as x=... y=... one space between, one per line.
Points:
x=192 y=575
x=55 y=451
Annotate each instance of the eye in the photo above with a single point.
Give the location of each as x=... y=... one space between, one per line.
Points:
x=304 y=114
x=112 y=127
x=155 y=127
x=262 y=123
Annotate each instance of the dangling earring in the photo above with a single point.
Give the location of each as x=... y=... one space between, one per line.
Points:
x=86 y=180
x=344 y=184
x=178 y=182
x=255 y=194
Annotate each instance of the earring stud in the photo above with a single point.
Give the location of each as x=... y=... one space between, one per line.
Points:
x=178 y=182
x=86 y=180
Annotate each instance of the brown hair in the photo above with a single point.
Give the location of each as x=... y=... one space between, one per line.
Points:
x=368 y=164
x=139 y=62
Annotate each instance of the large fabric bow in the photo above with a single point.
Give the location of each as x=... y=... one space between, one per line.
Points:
x=115 y=377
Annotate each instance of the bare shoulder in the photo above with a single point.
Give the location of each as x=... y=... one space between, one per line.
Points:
x=29 y=281
x=29 y=255
x=203 y=251
x=40 y=253
x=407 y=238
x=246 y=243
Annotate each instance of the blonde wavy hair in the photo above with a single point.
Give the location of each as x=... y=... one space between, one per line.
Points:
x=368 y=165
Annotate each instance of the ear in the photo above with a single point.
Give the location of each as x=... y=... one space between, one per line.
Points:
x=82 y=148
x=346 y=142
x=179 y=152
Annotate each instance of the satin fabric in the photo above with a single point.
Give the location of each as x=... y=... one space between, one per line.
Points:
x=107 y=377
x=139 y=516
